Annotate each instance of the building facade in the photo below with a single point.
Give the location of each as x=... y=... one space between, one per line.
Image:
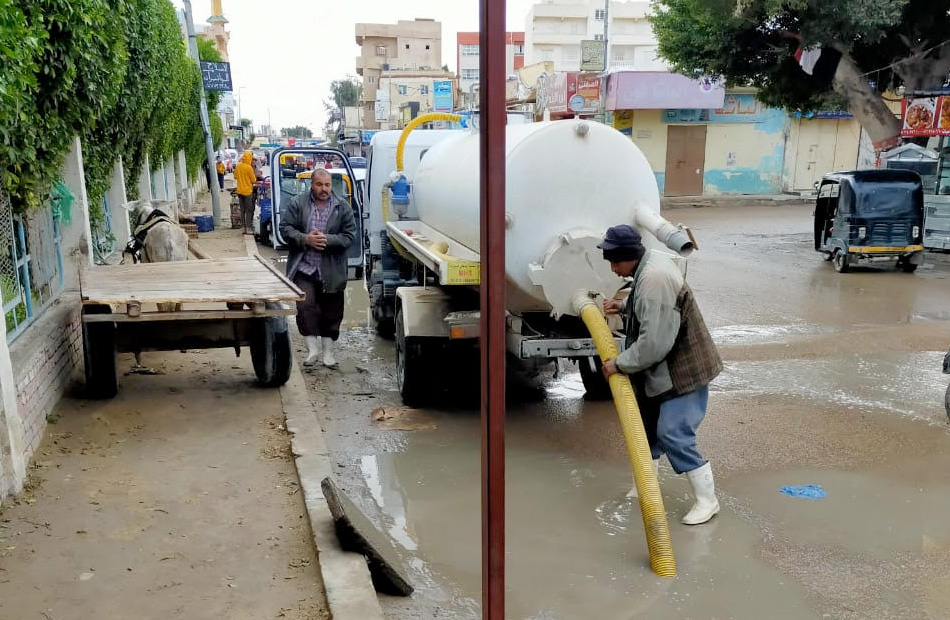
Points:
x=554 y=30
x=397 y=62
x=467 y=60
x=703 y=140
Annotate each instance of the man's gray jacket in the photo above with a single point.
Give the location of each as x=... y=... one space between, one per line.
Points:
x=341 y=231
x=667 y=344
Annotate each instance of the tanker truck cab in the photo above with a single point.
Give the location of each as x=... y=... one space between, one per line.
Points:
x=290 y=178
x=423 y=266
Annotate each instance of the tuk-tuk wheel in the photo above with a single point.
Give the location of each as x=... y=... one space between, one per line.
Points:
x=906 y=266
x=842 y=261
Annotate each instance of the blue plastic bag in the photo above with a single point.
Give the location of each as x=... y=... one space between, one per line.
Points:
x=807 y=491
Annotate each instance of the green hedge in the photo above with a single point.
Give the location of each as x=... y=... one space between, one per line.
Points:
x=114 y=72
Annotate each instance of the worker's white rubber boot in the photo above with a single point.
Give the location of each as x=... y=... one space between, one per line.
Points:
x=328 y=360
x=313 y=350
x=656 y=471
x=706 y=506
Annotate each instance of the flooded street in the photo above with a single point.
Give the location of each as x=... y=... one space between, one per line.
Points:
x=830 y=379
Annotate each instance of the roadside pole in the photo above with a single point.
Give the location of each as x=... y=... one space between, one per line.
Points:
x=205 y=124
x=492 y=121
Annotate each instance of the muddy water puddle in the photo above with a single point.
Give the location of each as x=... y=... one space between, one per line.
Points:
x=575 y=543
x=910 y=385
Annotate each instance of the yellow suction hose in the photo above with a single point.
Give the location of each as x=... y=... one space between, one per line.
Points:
x=651 y=502
x=419 y=120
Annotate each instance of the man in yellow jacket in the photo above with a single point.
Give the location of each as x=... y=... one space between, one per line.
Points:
x=245 y=178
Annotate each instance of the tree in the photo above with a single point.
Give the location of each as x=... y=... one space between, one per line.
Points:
x=883 y=44
x=245 y=122
x=344 y=93
x=297 y=131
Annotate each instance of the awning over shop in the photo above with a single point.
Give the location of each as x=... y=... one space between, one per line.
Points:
x=653 y=90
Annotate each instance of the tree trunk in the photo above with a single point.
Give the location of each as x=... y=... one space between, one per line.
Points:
x=867 y=106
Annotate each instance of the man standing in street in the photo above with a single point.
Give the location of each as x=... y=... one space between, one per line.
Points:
x=319 y=229
x=219 y=167
x=245 y=179
x=669 y=356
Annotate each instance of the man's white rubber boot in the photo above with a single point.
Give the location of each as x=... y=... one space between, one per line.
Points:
x=313 y=350
x=328 y=360
x=656 y=471
x=706 y=506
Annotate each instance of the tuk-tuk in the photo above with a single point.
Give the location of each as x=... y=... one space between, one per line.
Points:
x=870 y=216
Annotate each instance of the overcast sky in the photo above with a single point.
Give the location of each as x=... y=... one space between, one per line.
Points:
x=285 y=53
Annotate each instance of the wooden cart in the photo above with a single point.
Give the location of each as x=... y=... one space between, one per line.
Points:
x=206 y=304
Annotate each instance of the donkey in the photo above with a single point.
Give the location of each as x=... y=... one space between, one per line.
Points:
x=155 y=239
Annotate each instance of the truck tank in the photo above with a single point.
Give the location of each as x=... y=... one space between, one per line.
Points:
x=567 y=182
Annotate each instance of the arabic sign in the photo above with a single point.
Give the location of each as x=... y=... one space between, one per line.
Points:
x=925 y=117
x=735 y=109
x=556 y=91
x=592 y=55
x=382 y=106
x=442 y=100
x=216 y=75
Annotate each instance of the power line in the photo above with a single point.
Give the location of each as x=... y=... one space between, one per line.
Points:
x=908 y=59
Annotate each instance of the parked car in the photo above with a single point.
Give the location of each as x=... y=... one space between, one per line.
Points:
x=357 y=162
x=870 y=217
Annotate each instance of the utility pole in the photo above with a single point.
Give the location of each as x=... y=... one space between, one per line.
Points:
x=205 y=124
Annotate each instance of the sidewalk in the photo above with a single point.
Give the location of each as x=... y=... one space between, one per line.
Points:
x=769 y=200
x=177 y=499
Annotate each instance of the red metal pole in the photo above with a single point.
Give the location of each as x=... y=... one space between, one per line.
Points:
x=492 y=123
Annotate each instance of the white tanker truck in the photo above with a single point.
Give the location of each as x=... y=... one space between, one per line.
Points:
x=566 y=183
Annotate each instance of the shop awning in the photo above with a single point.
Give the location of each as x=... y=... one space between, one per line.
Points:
x=660 y=90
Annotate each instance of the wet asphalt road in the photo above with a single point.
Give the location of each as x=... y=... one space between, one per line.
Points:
x=830 y=379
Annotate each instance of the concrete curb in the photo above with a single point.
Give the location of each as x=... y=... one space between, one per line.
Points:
x=346 y=578
x=703 y=202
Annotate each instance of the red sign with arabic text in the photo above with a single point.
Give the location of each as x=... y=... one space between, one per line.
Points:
x=925 y=117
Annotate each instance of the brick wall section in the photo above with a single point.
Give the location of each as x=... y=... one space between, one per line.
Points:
x=47 y=360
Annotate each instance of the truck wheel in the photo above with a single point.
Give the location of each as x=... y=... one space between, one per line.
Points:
x=411 y=367
x=270 y=350
x=99 y=355
x=385 y=326
x=595 y=384
x=842 y=261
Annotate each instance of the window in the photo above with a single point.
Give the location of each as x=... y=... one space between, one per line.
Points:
x=600 y=14
x=427 y=46
x=598 y=37
x=32 y=273
x=407 y=46
x=546 y=54
x=519 y=50
x=469 y=74
x=371 y=79
x=424 y=89
x=617 y=53
x=469 y=50
x=401 y=89
x=380 y=50
x=570 y=53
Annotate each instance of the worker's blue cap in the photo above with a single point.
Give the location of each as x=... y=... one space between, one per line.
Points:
x=623 y=236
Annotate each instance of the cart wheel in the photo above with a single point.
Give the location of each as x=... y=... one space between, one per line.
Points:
x=270 y=350
x=842 y=262
x=595 y=384
x=946 y=401
x=99 y=355
x=411 y=367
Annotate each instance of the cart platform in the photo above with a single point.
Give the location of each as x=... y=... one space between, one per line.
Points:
x=228 y=302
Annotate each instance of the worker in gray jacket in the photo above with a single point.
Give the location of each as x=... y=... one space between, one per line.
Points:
x=319 y=229
x=669 y=356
